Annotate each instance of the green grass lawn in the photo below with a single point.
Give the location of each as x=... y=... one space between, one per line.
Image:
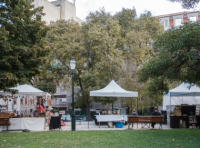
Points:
x=103 y=139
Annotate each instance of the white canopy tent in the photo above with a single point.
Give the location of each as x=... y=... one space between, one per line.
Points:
x=26 y=90
x=113 y=90
x=182 y=95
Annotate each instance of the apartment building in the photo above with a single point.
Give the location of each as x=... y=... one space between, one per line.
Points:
x=56 y=10
x=177 y=19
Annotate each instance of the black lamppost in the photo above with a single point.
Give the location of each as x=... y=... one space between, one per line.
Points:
x=72 y=67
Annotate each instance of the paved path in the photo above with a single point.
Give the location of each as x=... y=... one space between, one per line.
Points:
x=84 y=126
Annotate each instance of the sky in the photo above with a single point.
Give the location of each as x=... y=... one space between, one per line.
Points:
x=157 y=7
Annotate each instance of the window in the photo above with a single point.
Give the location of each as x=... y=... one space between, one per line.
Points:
x=193 y=19
x=178 y=22
x=165 y=24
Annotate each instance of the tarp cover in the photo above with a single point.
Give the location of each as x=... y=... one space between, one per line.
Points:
x=113 y=90
x=112 y=118
x=35 y=124
x=182 y=95
x=184 y=89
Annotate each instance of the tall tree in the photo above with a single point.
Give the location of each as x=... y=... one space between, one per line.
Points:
x=22 y=42
x=138 y=49
x=101 y=39
x=177 y=58
x=50 y=77
x=93 y=45
x=126 y=19
x=65 y=40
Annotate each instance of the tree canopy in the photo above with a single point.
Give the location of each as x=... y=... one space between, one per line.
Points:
x=187 y=4
x=94 y=46
x=22 y=42
x=105 y=47
x=138 y=49
x=177 y=58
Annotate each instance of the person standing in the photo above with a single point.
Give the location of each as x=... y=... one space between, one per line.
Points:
x=40 y=109
x=134 y=114
x=155 y=113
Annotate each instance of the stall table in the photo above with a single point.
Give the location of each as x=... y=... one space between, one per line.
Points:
x=111 y=118
x=35 y=124
x=175 y=121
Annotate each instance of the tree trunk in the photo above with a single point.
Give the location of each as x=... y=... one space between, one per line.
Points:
x=131 y=106
x=83 y=93
x=87 y=101
x=88 y=111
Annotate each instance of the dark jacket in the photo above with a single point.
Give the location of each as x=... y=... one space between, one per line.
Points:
x=156 y=113
x=134 y=114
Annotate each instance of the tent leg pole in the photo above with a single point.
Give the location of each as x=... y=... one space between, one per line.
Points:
x=170 y=104
x=137 y=104
x=170 y=108
x=112 y=107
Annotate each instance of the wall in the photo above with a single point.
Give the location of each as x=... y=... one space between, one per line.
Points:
x=36 y=3
x=78 y=20
x=51 y=11
x=68 y=10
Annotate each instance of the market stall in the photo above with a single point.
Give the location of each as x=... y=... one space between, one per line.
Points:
x=182 y=105
x=112 y=90
x=25 y=99
x=23 y=104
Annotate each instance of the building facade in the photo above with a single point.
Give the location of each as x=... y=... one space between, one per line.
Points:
x=177 y=19
x=56 y=10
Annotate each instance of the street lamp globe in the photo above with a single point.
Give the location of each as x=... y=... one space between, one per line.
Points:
x=72 y=64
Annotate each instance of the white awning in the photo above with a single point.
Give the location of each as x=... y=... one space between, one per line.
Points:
x=113 y=90
x=184 y=89
x=183 y=94
x=26 y=90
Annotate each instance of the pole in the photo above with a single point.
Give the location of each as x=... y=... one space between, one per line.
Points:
x=169 y=107
x=73 y=126
x=137 y=104
x=112 y=107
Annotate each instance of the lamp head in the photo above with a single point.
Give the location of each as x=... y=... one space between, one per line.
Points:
x=72 y=64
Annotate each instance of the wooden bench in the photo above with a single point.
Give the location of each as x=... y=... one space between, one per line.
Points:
x=5 y=120
x=146 y=120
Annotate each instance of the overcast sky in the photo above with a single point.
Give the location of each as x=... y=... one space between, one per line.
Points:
x=157 y=7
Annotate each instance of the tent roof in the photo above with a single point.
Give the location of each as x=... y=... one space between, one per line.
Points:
x=27 y=89
x=113 y=90
x=184 y=89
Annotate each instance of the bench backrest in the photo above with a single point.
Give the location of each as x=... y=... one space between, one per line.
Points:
x=3 y=121
x=156 y=119
x=2 y=114
x=146 y=119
